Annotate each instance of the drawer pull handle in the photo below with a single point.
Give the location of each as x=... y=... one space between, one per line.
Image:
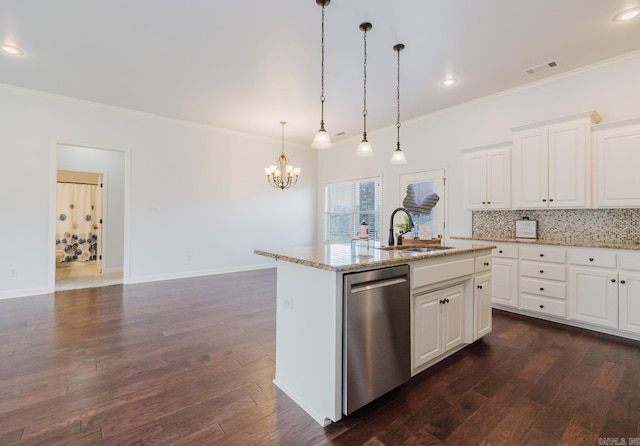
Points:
x=441 y=301
x=541 y=255
x=486 y=263
x=500 y=251
x=446 y=301
x=484 y=202
x=591 y=259
x=488 y=202
x=544 y=200
x=541 y=306
x=541 y=289
x=479 y=287
x=550 y=199
x=541 y=271
x=623 y=282
x=613 y=280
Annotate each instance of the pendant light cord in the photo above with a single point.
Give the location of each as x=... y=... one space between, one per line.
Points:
x=398 y=99
x=322 y=71
x=364 y=111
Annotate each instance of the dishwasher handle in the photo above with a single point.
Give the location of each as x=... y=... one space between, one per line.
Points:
x=365 y=286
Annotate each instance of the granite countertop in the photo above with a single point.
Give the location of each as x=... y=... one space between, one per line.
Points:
x=341 y=257
x=587 y=244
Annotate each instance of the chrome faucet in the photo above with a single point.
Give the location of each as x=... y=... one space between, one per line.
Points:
x=393 y=214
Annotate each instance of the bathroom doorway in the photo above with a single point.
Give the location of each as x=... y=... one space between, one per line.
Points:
x=89 y=216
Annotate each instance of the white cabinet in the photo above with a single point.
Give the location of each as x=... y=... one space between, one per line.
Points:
x=488 y=177
x=594 y=296
x=504 y=286
x=551 y=163
x=629 y=302
x=438 y=323
x=543 y=287
x=617 y=156
x=482 y=303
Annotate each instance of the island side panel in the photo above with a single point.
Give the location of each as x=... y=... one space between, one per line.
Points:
x=309 y=339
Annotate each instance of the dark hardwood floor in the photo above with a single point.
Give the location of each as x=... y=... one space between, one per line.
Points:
x=191 y=362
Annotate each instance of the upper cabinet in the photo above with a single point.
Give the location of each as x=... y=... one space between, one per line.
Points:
x=488 y=177
x=551 y=163
x=617 y=157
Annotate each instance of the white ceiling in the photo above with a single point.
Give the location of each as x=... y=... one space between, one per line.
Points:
x=246 y=64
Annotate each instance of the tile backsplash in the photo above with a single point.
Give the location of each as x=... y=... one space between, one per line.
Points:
x=575 y=225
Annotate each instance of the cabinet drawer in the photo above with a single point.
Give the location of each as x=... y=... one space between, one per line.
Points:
x=483 y=263
x=557 y=290
x=593 y=258
x=506 y=251
x=428 y=274
x=543 y=305
x=630 y=262
x=548 y=271
x=544 y=254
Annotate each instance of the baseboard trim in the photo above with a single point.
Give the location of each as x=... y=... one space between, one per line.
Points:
x=189 y=274
x=24 y=293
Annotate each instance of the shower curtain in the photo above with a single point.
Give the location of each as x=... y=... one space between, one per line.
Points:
x=76 y=223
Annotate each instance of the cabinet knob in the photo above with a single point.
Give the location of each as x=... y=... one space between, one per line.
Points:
x=484 y=202
x=541 y=255
x=623 y=282
x=613 y=280
x=550 y=199
x=544 y=200
x=486 y=263
x=488 y=202
x=479 y=287
x=541 y=306
x=446 y=301
x=541 y=271
x=591 y=259
x=441 y=301
x=500 y=251
x=541 y=289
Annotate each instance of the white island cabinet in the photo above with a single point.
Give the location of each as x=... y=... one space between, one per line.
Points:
x=309 y=313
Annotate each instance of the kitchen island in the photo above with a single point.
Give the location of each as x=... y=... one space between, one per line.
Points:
x=450 y=307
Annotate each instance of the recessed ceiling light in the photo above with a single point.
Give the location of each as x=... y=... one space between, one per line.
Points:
x=627 y=14
x=448 y=81
x=10 y=49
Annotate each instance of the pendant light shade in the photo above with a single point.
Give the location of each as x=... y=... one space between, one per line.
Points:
x=322 y=140
x=398 y=155
x=365 y=149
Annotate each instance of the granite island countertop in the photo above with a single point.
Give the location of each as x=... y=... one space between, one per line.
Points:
x=342 y=257
x=588 y=244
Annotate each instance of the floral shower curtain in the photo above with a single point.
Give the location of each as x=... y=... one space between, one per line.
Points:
x=76 y=225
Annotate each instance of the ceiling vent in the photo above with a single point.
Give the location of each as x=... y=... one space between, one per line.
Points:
x=542 y=67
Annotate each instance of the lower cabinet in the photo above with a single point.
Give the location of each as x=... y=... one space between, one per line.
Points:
x=482 y=302
x=504 y=289
x=629 y=302
x=438 y=323
x=593 y=296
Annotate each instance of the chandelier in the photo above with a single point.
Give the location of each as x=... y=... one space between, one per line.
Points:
x=282 y=174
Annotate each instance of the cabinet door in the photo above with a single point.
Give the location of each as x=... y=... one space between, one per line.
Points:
x=593 y=296
x=482 y=298
x=530 y=181
x=427 y=336
x=453 y=317
x=617 y=160
x=499 y=179
x=475 y=168
x=629 y=298
x=504 y=282
x=568 y=186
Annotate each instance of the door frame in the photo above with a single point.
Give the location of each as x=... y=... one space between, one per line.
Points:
x=53 y=177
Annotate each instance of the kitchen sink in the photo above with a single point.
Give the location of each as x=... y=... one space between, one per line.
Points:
x=413 y=248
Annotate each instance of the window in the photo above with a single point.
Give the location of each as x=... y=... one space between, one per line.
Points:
x=347 y=204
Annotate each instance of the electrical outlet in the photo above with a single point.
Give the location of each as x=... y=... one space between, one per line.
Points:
x=287 y=303
x=12 y=272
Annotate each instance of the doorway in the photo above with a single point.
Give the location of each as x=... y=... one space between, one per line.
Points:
x=89 y=217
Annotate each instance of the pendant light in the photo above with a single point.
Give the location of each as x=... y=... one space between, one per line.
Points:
x=398 y=155
x=282 y=174
x=365 y=149
x=322 y=140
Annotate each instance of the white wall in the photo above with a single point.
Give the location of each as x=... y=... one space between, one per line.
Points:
x=435 y=141
x=208 y=185
x=111 y=164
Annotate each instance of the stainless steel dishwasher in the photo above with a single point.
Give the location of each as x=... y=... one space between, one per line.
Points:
x=376 y=334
